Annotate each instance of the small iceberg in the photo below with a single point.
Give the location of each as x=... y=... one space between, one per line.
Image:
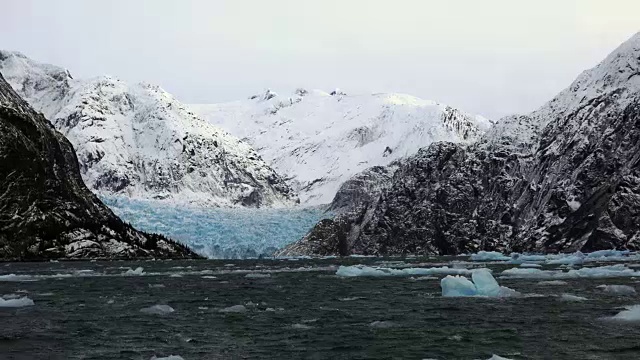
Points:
x=157 y=310
x=482 y=284
x=632 y=313
x=489 y=256
x=571 y=298
x=15 y=302
x=170 y=357
x=138 y=271
x=623 y=290
x=362 y=270
x=234 y=309
x=618 y=270
x=496 y=357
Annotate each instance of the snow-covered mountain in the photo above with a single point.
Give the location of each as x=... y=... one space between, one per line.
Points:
x=138 y=140
x=563 y=178
x=319 y=140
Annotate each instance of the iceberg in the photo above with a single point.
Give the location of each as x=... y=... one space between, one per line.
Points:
x=632 y=313
x=170 y=357
x=569 y=297
x=482 y=284
x=157 y=310
x=362 y=270
x=617 y=289
x=138 y=271
x=618 y=270
x=13 y=302
x=489 y=256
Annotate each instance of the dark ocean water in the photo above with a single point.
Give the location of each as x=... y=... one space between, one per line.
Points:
x=298 y=310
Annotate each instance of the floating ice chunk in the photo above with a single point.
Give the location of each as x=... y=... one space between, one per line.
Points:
x=608 y=253
x=518 y=258
x=362 y=270
x=11 y=296
x=16 y=302
x=301 y=327
x=209 y=277
x=632 y=313
x=14 y=277
x=382 y=324
x=530 y=265
x=552 y=283
x=138 y=271
x=170 y=357
x=618 y=270
x=566 y=259
x=484 y=284
x=354 y=298
x=489 y=256
x=234 y=309
x=496 y=357
x=175 y=275
x=257 y=276
x=569 y=297
x=421 y=278
x=617 y=289
x=157 y=310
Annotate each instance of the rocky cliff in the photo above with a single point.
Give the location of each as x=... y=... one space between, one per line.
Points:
x=46 y=211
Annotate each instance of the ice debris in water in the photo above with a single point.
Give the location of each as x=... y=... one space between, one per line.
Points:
x=489 y=256
x=14 y=302
x=170 y=357
x=552 y=283
x=362 y=270
x=617 y=289
x=301 y=327
x=632 y=313
x=496 y=357
x=569 y=297
x=618 y=270
x=157 y=310
x=382 y=324
x=138 y=271
x=482 y=284
x=530 y=265
x=257 y=276
x=234 y=309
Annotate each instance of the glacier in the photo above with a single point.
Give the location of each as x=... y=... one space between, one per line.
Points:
x=219 y=233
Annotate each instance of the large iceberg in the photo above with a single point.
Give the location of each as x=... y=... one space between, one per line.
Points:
x=482 y=284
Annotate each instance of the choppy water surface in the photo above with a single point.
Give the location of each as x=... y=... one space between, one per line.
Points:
x=300 y=310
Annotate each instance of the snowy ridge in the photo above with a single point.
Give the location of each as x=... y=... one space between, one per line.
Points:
x=320 y=140
x=138 y=140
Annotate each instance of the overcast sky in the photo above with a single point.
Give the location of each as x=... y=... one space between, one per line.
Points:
x=492 y=57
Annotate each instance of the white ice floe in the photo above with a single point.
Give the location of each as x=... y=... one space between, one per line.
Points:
x=138 y=271
x=382 y=324
x=14 y=302
x=301 y=327
x=497 y=357
x=483 y=284
x=617 y=289
x=552 y=283
x=157 y=310
x=530 y=265
x=632 y=313
x=618 y=270
x=362 y=270
x=570 y=297
x=489 y=256
x=234 y=309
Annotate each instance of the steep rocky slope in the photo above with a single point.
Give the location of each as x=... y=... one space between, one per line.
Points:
x=563 y=178
x=319 y=140
x=137 y=140
x=46 y=211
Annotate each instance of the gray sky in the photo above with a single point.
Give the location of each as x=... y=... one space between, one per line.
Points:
x=492 y=57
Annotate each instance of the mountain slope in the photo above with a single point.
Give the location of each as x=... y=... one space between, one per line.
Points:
x=564 y=178
x=139 y=141
x=46 y=211
x=320 y=140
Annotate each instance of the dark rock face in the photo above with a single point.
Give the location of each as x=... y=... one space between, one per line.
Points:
x=564 y=178
x=46 y=211
x=363 y=188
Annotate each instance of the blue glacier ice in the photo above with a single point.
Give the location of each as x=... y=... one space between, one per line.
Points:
x=220 y=233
